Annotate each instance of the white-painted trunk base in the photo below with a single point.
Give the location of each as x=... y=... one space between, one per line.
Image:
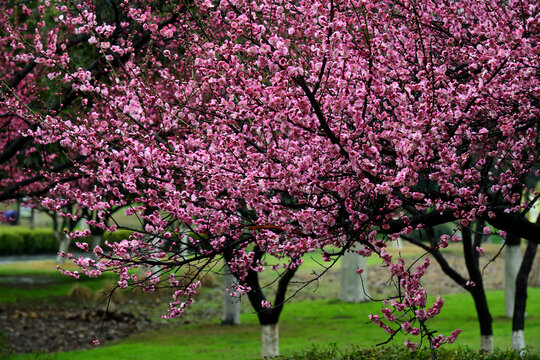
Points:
x=512 y=262
x=353 y=287
x=231 y=304
x=270 y=341
x=486 y=343
x=96 y=241
x=518 y=340
x=63 y=248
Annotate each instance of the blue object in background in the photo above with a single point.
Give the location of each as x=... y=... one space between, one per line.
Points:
x=11 y=216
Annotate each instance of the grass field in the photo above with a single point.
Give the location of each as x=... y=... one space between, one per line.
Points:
x=303 y=323
x=320 y=322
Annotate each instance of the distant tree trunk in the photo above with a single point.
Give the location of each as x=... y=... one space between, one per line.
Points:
x=32 y=220
x=512 y=261
x=18 y=217
x=353 y=287
x=96 y=241
x=63 y=241
x=231 y=304
x=68 y=224
x=97 y=237
x=63 y=247
x=518 y=320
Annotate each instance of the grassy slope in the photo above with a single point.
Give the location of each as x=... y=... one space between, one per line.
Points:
x=303 y=324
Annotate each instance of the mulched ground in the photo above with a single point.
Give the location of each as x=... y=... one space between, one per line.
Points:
x=48 y=327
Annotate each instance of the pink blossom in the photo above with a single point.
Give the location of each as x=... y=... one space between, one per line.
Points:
x=437 y=341
x=410 y=345
x=453 y=336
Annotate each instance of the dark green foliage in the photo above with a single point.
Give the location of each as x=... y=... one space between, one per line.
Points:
x=401 y=353
x=11 y=243
x=5 y=347
x=117 y=236
x=16 y=240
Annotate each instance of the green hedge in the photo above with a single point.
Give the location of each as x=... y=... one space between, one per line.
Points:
x=116 y=236
x=401 y=353
x=15 y=240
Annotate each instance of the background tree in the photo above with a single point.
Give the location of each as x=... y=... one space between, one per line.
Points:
x=231 y=304
x=353 y=286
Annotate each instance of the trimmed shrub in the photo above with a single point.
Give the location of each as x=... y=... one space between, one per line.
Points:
x=16 y=240
x=81 y=294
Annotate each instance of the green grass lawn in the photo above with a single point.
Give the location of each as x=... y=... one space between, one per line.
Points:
x=303 y=324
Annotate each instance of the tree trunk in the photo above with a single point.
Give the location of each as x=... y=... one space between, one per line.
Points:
x=18 y=219
x=270 y=341
x=397 y=244
x=231 y=304
x=512 y=261
x=353 y=287
x=476 y=288
x=63 y=247
x=268 y=317
x=484 y=317
x=32 y=221
x=96 y=241
x=478 y=292
x=518 y=321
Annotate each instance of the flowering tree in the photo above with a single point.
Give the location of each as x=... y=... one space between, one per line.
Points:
x=284 y=127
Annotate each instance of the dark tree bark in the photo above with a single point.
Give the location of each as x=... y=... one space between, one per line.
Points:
x=516 y=225
x=518 y=320
x=478 y=292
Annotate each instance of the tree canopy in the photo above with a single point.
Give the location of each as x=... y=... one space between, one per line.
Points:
x=276 y=126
